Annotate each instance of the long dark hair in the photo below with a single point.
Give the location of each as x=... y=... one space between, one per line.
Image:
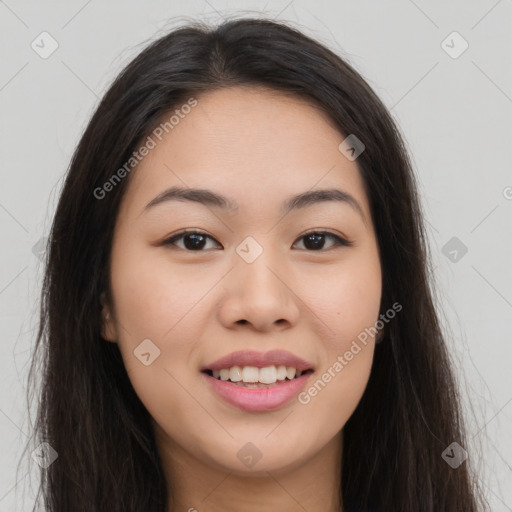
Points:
x=88 y=410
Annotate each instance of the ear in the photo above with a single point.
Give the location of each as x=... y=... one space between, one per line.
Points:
x=108 y=329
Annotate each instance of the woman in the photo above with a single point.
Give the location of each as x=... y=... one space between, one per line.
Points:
x=236 y=309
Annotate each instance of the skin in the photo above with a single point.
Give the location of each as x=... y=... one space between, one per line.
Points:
x=257 y=147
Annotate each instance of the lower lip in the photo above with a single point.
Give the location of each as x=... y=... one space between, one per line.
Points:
x=258 y=399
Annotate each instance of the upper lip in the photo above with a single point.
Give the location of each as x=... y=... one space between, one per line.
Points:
x=260 y=360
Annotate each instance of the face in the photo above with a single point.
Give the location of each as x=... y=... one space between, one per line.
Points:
x=271 y=281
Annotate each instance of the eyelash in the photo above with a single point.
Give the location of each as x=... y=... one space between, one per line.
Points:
x=340 y=242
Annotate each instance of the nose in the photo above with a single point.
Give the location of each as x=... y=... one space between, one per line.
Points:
x=259 y=295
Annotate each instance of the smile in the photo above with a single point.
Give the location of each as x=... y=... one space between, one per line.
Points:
x=252 y=376
x=254 y=395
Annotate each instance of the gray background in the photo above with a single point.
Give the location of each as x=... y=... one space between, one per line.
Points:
x=455 y=114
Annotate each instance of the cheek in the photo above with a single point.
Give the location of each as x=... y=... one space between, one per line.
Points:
x=348 y=311
x=157 y=307
x=156 y=301
x=155 y=297
x=346 y=297
x=355 y=303
x=347 y=301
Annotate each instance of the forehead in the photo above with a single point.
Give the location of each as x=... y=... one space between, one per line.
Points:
x=252 y=144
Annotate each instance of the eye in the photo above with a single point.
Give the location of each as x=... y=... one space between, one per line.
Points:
x=315 y=240
x=193 y=240
x=197 y=240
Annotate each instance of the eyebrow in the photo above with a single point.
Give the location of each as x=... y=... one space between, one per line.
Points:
x=213 y=199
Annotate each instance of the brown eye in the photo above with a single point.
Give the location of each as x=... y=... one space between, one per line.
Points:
x=315 y=240
x=192 y=240
x=197 y=241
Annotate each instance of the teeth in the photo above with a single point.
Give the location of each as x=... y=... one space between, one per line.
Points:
x=281 y=372
x=235 y=374
x=252 y=376
x=268 y=375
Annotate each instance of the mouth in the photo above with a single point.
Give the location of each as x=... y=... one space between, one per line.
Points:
x=252 y=377
x=257 y=381
x=256 y=396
